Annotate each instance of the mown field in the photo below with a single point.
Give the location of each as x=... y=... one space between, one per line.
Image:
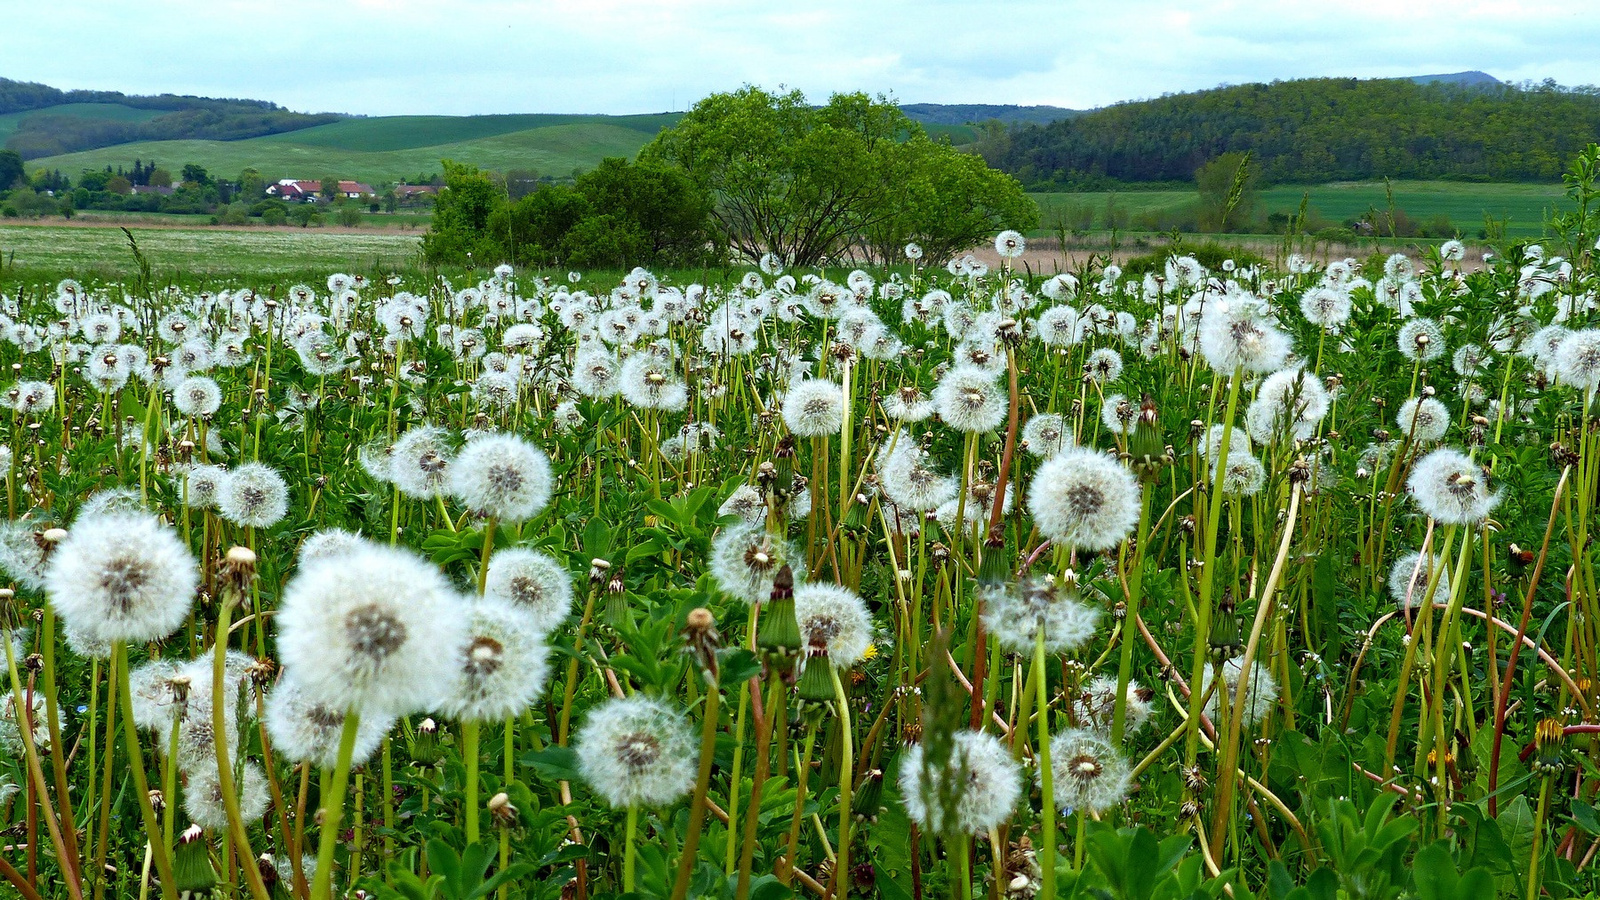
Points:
x=201 y=251
x=1524 y=206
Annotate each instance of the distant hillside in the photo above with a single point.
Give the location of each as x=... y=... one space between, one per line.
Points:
x=1465 y=79
x=390 y=149
x=37 y=120
x=1315 y=130
x=977 y=113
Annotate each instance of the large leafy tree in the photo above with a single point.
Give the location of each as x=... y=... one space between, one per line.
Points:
x=461 y=215
x=848 y=178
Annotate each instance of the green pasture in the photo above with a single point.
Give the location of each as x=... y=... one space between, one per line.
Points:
x=177 y=252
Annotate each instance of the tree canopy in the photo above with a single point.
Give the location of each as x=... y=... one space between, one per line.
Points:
x=1314 y=130
x=853 y=177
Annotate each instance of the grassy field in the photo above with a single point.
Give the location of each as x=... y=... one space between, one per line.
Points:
x=1524 y=206
x=174 y=251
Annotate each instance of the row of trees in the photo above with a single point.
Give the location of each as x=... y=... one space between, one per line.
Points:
x=747 y=172
x=1310 y=131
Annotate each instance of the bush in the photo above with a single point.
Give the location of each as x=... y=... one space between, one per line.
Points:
x=274 y=215
x=349 y=215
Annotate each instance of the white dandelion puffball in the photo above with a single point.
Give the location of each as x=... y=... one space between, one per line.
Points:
x=503 y=667
x=202 y=485
x=745 y=560
x=363 y=630
x=637 y=751
x=503 y=477
x=328 y=542
x=1096 y=705
x=1046 y=434
x=1089 y=774
x=834 y=619
x=1009 y=244
x=983 y=776
x=909 y=480
x=1424 y=419
x=1235 y=335
x=1577 y=359
x=1084 y=499
x=533 y=582
x=1260 y=695
x=122 y=577
x=1243 y=476
x=253 y=495
x=1290 y=402
x=969 y=399
x=1409 y=577
x=1327 y=307
x=203 y=801
x=419 y=463
x=814 y=407
x=307 y=732
x=1014 y=614
x=197 y=396
x=1452 y=489
x=1421 y=340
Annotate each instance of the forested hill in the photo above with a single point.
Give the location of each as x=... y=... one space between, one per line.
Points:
x=1315 y=130
x=38 y=120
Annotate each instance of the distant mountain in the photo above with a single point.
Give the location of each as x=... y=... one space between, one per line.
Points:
x=1464 y=79
x=976 y=113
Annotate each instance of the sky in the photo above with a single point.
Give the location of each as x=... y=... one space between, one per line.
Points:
x=459 y=57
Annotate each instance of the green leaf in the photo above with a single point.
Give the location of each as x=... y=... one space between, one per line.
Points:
x=554 y=763
x=1584 y=815
x=736 y=665
x=1434 y=872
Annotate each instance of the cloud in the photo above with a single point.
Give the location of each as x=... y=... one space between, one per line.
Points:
x=623 y=56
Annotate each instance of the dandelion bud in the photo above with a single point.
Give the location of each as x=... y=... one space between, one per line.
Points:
x=868 y=802
x=1225 y=639
x=425 y=751
x=815 y=684
x=158 y=800
x=700 y=631
x=780 y=631
x=597 y=570
x=505 y=815
x=191 y=864
x=1548 y=736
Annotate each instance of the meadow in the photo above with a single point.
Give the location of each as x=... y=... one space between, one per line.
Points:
x=94 y=249
x=946 y=580
x=1525 y=207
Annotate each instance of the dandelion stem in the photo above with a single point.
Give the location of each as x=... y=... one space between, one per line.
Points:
x=141 y=787
x=469 y=758
x=1047 y=784
x=333 y=807
x=627 y=848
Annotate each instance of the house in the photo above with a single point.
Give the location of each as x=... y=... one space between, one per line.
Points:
x=295 y=189
x=355 y=190
x=404 y=192
x=164 y=190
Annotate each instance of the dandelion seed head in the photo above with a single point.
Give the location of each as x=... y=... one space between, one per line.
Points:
x=1084 y=499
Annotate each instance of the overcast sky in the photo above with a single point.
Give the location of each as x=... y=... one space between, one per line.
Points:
x=388 y=57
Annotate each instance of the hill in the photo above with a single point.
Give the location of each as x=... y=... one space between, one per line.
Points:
x=37 y=120
x=1464 y=79
x=977 y=113
x=1315 y=130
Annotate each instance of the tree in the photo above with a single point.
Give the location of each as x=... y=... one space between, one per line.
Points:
x=329 y=188
x=159 y=177
x=251 y=185
x=1229 y=188
x=521 y=182
x=620 y=214
x=194 y=173
x=810 y=183
x=461 y=215
x=944 y=200
x=11 y=171
x=119 y=184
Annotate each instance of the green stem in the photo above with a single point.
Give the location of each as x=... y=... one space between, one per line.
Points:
x=697 y=807
x=141 y=787
x=333 y=808
x=847 y=768
x=1047 y=817
x=627 y=849
x=1119 y=712
x=469 y=757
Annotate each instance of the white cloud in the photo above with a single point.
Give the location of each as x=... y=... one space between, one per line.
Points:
x=620 y=56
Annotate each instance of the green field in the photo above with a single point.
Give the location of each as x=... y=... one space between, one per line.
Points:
x=1525 y=207
x=177 y=252
x=390 y=149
